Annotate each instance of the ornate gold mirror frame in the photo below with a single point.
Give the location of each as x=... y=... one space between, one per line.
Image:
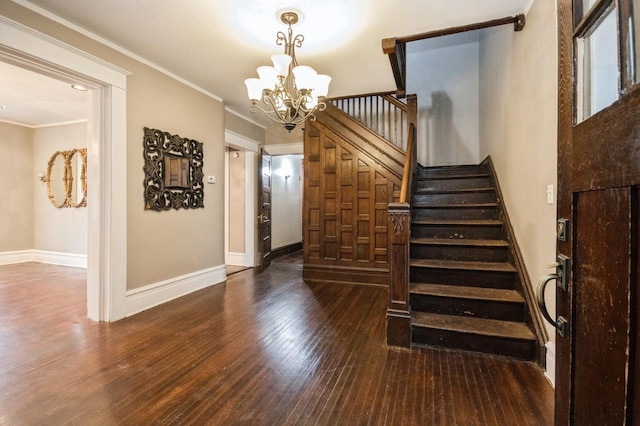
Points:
x=172 y=171
x=71 y=198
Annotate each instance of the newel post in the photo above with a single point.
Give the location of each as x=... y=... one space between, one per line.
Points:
x=398 y=311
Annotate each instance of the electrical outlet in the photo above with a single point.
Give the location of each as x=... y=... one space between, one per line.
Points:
x=550 y=194
x=211 y=179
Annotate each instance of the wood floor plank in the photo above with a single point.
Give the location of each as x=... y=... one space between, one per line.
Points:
x=263 y=349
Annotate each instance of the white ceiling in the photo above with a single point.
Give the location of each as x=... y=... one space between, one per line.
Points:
x=34 y=100
x=216 y=44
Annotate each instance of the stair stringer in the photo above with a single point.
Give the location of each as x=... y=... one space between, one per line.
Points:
x=363 y=139
x=523 y=282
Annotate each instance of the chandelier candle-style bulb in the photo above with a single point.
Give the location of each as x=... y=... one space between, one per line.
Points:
x=254 y=88
x=305 y=77
x=286 y=92
x=268 y=77
x=322 y=85
x=281 y=64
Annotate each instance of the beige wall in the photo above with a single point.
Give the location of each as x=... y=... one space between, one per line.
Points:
x=17 y=181
x=243 y=127
x=237 y=208
x=518 y=128
x=60 y=230
x=163 y=245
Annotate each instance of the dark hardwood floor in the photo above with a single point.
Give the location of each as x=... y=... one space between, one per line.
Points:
x=263 y=349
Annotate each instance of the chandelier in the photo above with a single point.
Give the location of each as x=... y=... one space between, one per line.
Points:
x=288 y=93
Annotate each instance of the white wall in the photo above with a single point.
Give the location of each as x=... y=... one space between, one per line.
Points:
x=286 y=196
x=444 y=73
x=518 y=128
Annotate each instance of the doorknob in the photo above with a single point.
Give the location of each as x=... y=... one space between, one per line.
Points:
x=562 y=272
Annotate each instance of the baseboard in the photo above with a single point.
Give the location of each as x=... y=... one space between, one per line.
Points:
x=141 y=299
x=22 y=256
x=345 y=274
x=550 y=371
x=238 y=259
x=63 y=259
x=281 y=251
x=41 y=256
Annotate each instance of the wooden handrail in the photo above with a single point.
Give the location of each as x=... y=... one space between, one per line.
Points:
x=395 y=101
x=396 y=47
x=407 y=174
x=337 y=98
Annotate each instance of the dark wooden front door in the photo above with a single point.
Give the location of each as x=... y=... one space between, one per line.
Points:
x=597 y=379
x=264 y=208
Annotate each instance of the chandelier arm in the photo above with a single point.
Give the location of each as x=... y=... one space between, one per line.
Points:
x=268 y=114
x=271 y=102
x=297 y=41
x=279 y=119
x=281 y=39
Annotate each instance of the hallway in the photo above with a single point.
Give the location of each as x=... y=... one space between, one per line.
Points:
x=262 y=349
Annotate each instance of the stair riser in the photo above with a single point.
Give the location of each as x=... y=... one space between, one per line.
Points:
x=455 y=213
x=524 y=350
x=490 y=309
x=448 y=184
x=449 y=171
x=466 y=253
x=457 y=231
x=470 y=278
x=456 y=198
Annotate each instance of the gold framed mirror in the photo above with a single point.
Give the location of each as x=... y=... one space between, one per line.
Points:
x=67 y=178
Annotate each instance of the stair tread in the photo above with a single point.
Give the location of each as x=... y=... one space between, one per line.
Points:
x=453 y=205
x=463 y=222
x=467 y=265
x=452 y=191
x=472 y=325
x=453 y=177
x=463 y=292
x=460 y=242
x=452 y=167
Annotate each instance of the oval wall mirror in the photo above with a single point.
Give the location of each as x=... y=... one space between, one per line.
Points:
x=66 y=178
x=57 y=179
x=78 y=170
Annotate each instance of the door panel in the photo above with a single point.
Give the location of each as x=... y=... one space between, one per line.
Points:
x=264 y=208
x=598 y=176
x=601 y=321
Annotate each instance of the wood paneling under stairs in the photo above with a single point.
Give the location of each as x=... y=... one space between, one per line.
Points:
x=347 y=188
x=264 y=349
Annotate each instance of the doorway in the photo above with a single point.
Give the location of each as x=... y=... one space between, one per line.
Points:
x=240 y=201
x=106 y=248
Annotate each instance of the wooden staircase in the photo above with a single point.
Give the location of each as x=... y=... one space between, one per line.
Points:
x=463 y=287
